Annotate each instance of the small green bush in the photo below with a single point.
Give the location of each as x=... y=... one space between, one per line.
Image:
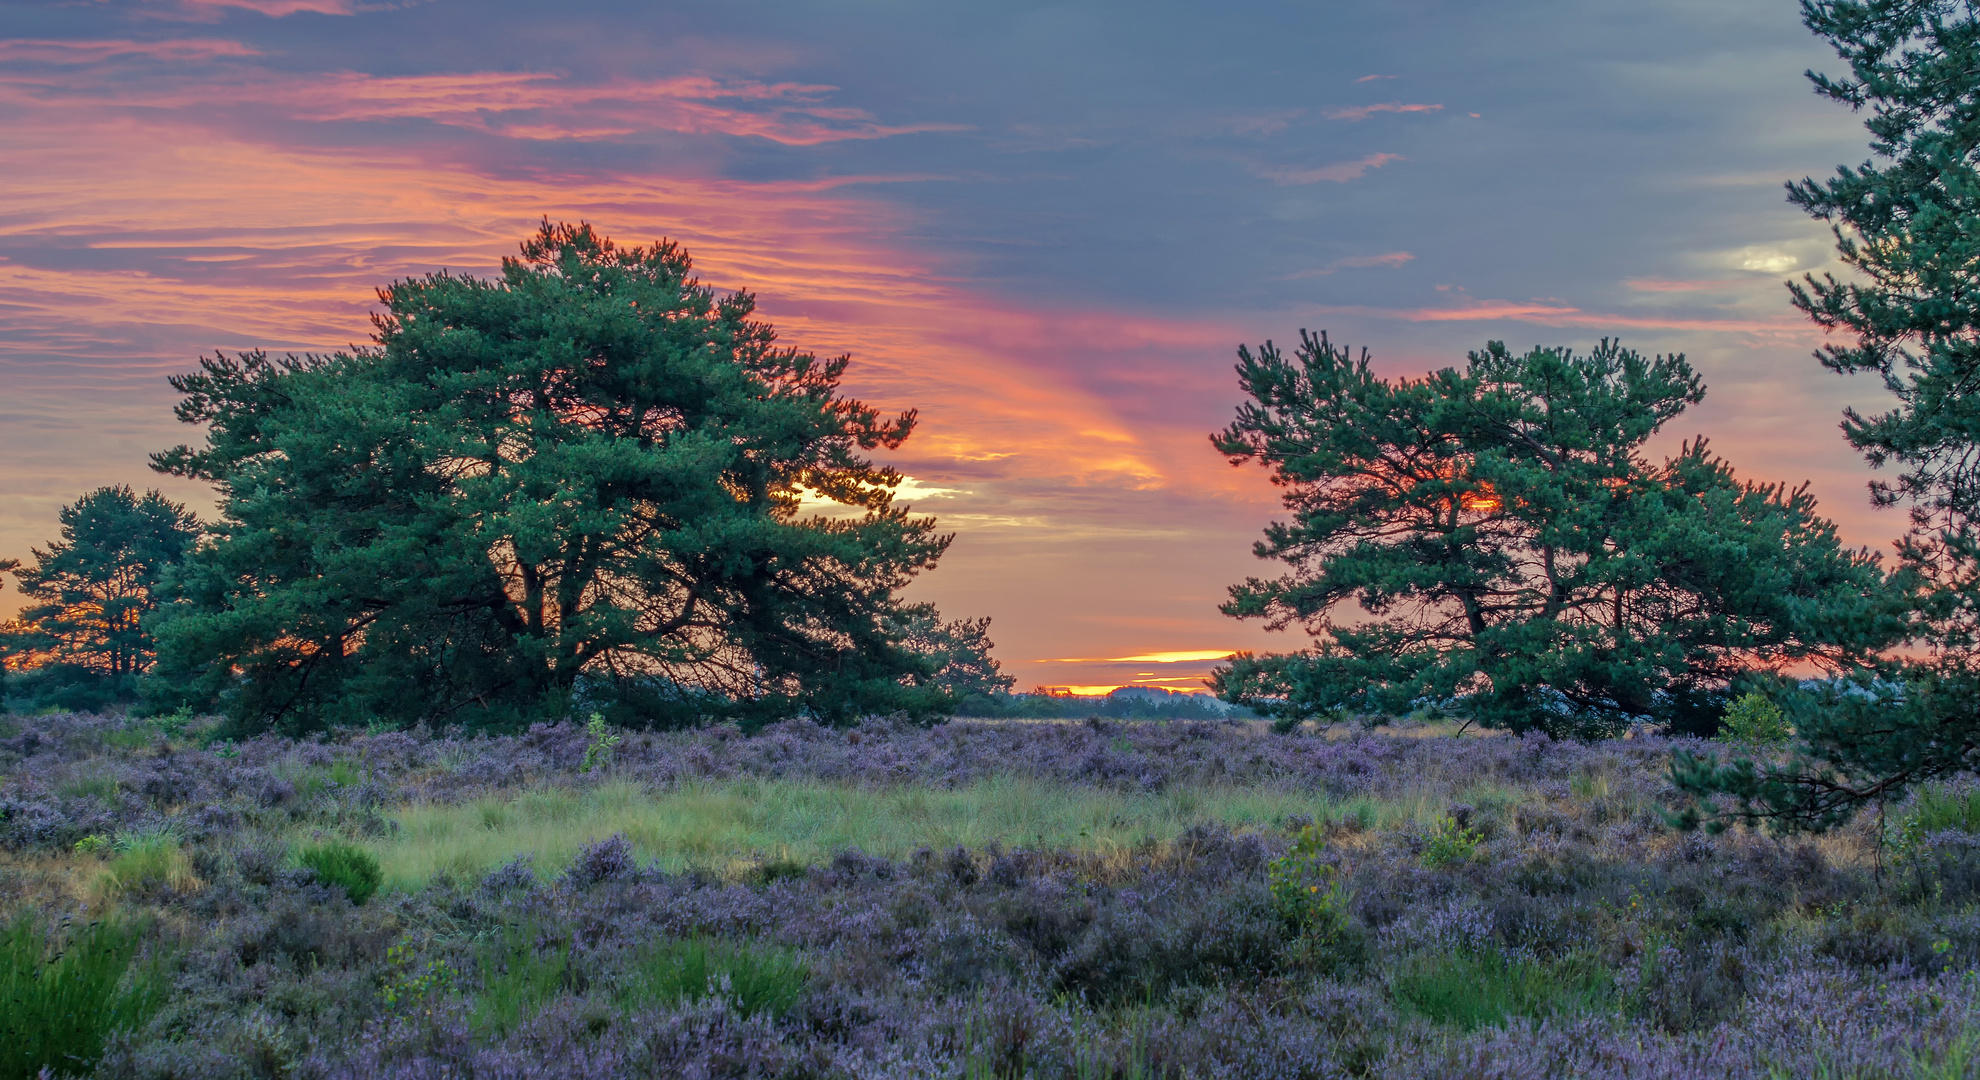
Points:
x=1449 y=844
x=604 y=743
x=411 y=983
x=346 y=865
x=1312 y=900
x=754 y=978
x=1754 y=722
x=60 y=1005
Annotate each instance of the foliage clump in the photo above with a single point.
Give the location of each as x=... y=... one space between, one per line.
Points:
x=1753 y=722
x=1450 y=842
x=1490 y=542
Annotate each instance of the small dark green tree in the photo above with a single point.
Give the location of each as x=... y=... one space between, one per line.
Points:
x=1908 y=225
x=588 y=469
x=1513 y=557
x=92 y=589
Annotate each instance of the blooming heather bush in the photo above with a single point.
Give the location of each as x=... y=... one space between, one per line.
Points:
x=610 y=859
x=1579 y=937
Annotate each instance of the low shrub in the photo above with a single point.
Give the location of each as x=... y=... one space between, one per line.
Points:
x=345 y=866
x=1308 y=893
x=61 y=1003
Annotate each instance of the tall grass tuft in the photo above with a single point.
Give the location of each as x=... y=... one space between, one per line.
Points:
x=754 y=978
x=517 y=979
x=57 y=1006
x=1939 y=809
x=142 y=863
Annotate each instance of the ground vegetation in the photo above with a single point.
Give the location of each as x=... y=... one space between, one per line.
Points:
x=1138 y=900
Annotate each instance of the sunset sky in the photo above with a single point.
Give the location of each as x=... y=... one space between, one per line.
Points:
x=1046 y=226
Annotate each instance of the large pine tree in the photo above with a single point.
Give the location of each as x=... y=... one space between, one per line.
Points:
x=578 y=482
x=1491 y=542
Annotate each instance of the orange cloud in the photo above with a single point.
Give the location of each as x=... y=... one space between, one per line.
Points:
x=1184 y=656
x=1340 y=173
x=1363 y=112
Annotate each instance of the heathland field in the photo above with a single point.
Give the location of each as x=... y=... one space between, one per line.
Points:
x=973 y=900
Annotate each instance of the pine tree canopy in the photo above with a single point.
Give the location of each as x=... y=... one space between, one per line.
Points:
x=1492 y=543
x=91 y=589
x=577 y=484
x=1907 y=224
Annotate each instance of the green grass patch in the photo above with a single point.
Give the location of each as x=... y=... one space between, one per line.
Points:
x=518 y=978
x=141 y=862
x=1938 y=810
x=1470 y=990
x=345 y=866
x=64 y=993
x=101 y=788
x=754 y=978
x=520 y=975
x=736 y=827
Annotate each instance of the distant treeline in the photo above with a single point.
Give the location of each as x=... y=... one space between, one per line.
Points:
x=1131 y=705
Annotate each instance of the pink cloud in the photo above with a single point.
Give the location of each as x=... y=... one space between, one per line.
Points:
x=522 y=105
x=1363 y=112
x=93 y=52
x=1339 y=173
x=1391 y=260
x=275 y=9
x=1372 y=78
x=546 y=106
